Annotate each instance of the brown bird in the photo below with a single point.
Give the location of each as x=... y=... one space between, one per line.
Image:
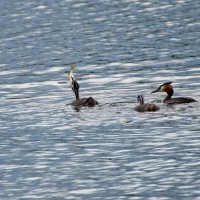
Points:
x=90 y=102
x=166 y=87
x=145 y=107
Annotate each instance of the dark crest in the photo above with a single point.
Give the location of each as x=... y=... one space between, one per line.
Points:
x=167 y=83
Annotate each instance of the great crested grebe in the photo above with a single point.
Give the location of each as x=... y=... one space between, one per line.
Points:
x=145 y=107
x=83 y=101
x=90 y=102
x=166 y=87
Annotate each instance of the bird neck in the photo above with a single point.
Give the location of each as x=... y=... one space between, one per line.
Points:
x=169 y=95
x=141 y=101
x=76 y=92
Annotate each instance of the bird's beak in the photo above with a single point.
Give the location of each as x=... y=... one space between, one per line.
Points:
x=157 y=90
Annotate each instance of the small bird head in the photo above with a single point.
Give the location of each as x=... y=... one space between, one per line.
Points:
x=140 y=99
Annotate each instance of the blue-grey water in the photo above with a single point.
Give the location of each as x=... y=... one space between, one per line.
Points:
x=49 y=150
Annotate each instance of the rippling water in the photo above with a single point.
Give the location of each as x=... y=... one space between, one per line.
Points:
x=121 y=49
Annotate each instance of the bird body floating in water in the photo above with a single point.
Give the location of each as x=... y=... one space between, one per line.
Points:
x=145 y=107
x=166 y=87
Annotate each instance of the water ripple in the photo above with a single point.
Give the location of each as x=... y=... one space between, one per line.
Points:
x=49 y=150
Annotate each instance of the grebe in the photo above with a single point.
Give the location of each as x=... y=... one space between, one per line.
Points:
x=166 y=87
x=90 y=102
x=145 y=107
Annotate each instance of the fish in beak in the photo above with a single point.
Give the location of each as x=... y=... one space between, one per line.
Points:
x=70 y=75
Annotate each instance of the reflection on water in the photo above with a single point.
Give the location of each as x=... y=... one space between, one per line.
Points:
x=121 y=49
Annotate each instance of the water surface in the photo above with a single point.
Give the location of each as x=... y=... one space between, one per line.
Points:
x=121 y=49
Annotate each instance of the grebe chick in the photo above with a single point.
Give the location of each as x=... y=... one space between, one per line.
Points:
x=145 y=107
x=90 y=102
x=166 y=87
